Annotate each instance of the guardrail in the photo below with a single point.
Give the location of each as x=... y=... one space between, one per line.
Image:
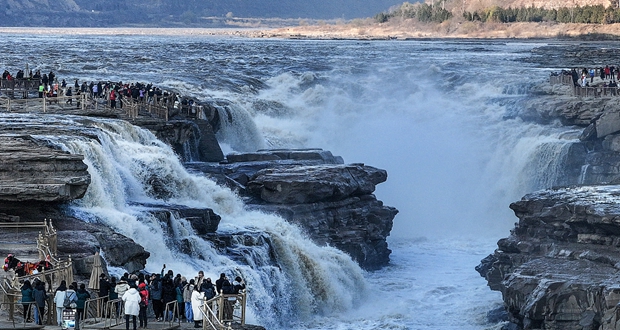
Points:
x=564 y=79
x=224 y=309
x=12 y=311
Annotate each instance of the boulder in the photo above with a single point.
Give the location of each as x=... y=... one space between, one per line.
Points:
x=331 y=201
x=311 y=184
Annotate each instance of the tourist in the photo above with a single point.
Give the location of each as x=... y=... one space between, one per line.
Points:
x=208 y=288
x=40 y=297
x=113 y=99
x=168 y=295
x=156 y=297
x=197 y=300
x=144 y=305
x=187 y=298
x=198 y=279
x=238 y=285
x=113 y=295
x=104 y=287
x=27 y=299
x=180 y=282
x=584 y=80
x=121 y=287
x=225 y=287
x=82 y=296
x=132 y=300
x=59 y=301
x=69 y=93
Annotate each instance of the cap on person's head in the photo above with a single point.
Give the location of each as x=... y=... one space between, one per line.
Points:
x=238 y=279
x=142 y=285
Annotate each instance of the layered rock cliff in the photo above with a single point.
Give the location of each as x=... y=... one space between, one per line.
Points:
x=331 y=201
x=559 y=267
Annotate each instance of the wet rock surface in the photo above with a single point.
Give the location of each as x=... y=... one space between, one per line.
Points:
x=559 y=267
x=331 y=201
x=33 y=171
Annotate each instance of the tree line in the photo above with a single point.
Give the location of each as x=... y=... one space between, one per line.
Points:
x=597 y=14
x=420 y=11
x=423 y=12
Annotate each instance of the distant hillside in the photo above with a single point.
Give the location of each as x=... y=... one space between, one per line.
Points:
x=198 y=13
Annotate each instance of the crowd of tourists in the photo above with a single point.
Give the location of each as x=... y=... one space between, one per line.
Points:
x=115 y=92
x=585 y=77
x=142 y=295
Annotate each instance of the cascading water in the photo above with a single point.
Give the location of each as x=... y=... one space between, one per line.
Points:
x=442 y=117
x=126 y=163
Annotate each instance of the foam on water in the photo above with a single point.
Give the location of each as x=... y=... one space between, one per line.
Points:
x=439 y=116
x=126 y=161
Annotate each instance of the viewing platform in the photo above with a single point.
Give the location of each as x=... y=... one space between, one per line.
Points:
x=596 y=88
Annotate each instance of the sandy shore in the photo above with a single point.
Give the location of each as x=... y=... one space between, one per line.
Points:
x=362 y=30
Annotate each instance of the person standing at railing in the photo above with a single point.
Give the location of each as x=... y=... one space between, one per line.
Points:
x=112 y=99
x=113 y=295
x=187 y=299
x=59 y=300
x=69 y=93
x=168 y=295
x=132 y=305
x=82 y=296
x=178 y=287
x=104 y=290
x=144 y=304
x=197 y=300
x=155 y=294
x=40 y=297
x=27 y=300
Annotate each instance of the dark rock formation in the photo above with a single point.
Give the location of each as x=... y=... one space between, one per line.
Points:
x=195 y=136
x=312 y=188
x=559 y=267
x=33 y=171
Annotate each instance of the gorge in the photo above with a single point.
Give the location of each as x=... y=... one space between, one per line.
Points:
x=558 y=268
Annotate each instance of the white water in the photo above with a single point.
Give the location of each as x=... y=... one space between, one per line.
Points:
x=437 y=115
x=123 y=165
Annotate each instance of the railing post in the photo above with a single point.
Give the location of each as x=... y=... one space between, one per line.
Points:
x=244 y=296
x=220 y=309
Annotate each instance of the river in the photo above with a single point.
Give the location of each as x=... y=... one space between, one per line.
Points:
x=438 y=115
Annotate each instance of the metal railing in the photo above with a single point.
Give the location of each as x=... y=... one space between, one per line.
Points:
x=210 y=320
x=564 y=79
x=114 y=311
x=171 y=312
x=10 y=306
x=224 y=309
x=45 y=104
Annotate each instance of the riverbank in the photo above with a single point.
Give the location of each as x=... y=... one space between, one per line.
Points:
x=363 y=30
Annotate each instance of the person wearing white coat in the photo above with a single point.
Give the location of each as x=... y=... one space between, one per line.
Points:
x=59 y=300
x=197 y=301
x=132 y=305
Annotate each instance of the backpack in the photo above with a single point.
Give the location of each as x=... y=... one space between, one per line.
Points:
x=68 y=301
x=227 y=288
x=209 y=293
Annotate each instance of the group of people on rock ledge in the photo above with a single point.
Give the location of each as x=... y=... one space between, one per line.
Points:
x=138 y=292
x=610 y=73
x=114 y=92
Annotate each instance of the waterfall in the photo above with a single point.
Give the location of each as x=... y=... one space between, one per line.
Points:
x=288 y=276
